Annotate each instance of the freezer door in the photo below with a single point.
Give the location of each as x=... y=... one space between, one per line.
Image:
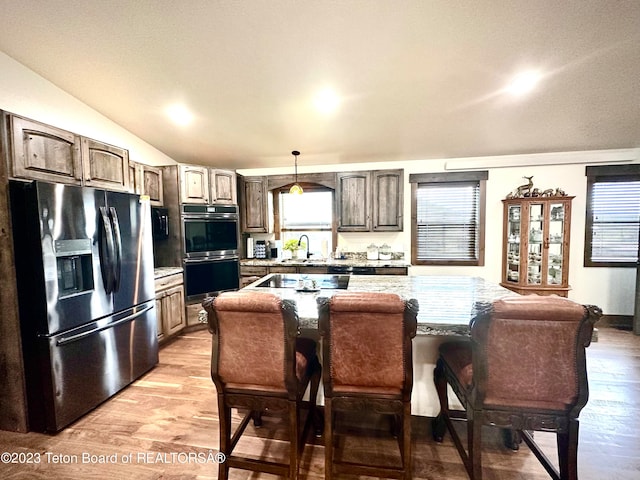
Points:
x=85 y=366
x=131 y=217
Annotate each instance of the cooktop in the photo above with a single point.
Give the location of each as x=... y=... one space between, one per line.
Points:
x=295 y=280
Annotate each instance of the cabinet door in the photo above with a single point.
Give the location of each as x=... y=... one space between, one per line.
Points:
x=512 y=245
x=159 y=316
x=152 y=184
x=254 y=202
x=557 y=243
x=223 y=186
x=534 y=213
x=548 y=244
x=105 y=166
x=194 y=183
x=173 y=310
x=353 y=200
x=135 y=177
x=42 y=152
x=388 y=200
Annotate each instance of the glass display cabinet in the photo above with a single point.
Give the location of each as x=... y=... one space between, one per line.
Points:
x=535 y=256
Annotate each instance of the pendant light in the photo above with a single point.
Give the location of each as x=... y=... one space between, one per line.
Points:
x=295 y=188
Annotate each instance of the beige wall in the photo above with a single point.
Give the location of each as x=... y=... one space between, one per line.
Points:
x=25 y=93
x=610 y=288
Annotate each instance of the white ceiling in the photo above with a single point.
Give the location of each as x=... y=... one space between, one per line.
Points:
x=419 y=79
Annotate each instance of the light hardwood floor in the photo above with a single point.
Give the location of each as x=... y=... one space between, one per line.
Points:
x=165 y=426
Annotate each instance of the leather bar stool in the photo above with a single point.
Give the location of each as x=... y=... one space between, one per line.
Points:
x=367 y=356
x=259 y=364
x=523 y=369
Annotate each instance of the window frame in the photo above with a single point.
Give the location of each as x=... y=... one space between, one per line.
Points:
x=600 y=174
x=307 y=187
x=475 y=177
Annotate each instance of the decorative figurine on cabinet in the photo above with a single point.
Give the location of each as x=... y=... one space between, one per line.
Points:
x=526 y=190
x=523 y=190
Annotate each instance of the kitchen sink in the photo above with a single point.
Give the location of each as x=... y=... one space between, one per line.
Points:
x=333 y=282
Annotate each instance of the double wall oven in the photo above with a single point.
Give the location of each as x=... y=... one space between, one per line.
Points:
x=210 y=242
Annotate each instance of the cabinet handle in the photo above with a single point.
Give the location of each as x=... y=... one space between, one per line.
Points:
x=545 y=244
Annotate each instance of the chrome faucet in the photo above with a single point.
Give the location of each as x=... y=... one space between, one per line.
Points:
x=300 y=243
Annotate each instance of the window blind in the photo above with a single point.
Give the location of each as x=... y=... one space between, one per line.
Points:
x=447 y=221
x=615 y=221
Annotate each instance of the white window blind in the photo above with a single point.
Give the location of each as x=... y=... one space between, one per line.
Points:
x=448 y=221
x=615 y=221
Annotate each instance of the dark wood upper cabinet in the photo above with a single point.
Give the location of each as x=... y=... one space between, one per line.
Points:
x=147 y=180
x=254 y=204
x=199 y=184
x=353 y=201
x=43 y=152
x=370 y=201
x=387 y=205
x=194 y=184
x=223 y=186
x=152 y=184
x=104 y=165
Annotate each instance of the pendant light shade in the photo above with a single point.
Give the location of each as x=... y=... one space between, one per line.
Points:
x=295 y=189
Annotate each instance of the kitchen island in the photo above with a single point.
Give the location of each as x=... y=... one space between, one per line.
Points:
x=446 y=305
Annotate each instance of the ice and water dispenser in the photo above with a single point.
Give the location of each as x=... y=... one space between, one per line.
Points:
x=74 y=266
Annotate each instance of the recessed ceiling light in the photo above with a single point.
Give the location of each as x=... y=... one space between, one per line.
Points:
x=179 y=114
x=523 y=82
x=326 y=101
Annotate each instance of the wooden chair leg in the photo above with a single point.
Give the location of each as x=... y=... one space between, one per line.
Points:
x=294 y=450
x=328 y=439
x=313 y=398
x=224 y=415
x=511 y=438
x=406 y=442
x=438 y=425
x=257 y=418
x=474 y=441
x=568 y=451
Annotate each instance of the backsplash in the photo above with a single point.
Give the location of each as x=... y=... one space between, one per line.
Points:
x=363 y=255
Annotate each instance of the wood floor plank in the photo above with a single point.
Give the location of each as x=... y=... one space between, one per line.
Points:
x=165 y=426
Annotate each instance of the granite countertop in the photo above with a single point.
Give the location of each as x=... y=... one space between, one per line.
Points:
x=446 y=303
x=160 y=272
x=254 y=262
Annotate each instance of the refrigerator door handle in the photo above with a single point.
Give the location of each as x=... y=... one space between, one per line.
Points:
x=117 y=264
x=80 y=336
x=106 y=257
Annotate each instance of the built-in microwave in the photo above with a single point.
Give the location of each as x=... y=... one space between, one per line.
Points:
x=210 y=230
x=160 y=223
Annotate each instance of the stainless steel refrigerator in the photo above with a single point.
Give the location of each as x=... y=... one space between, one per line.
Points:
x=84 y=268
